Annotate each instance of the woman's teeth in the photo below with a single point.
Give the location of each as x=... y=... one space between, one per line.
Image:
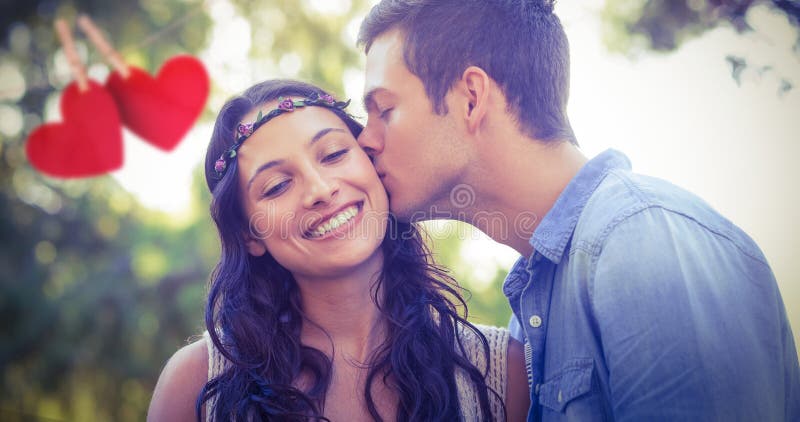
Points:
x=334 y=222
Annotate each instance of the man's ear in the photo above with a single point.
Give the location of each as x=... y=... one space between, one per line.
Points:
x=476 y=84
x=254 y=245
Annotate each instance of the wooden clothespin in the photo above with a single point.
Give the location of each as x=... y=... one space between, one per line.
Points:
x=75 y=64
x=106 y=49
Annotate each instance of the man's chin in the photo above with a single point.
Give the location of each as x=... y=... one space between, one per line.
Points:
x=402 y=215
x=410 y=212
x=403 y=211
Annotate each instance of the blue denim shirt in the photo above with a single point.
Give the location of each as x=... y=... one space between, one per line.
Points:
x=641 y=303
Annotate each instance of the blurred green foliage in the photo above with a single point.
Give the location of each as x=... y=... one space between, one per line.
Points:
x=95 y=290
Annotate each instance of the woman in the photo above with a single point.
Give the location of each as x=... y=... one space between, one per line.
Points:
x=323 y=306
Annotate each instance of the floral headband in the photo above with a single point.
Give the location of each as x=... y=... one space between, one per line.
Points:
x=285 y=105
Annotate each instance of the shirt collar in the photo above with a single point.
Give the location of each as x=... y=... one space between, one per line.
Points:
x=553 y=233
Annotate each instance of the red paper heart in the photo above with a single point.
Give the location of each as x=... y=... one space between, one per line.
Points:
x=87 y=143
x=163 y=109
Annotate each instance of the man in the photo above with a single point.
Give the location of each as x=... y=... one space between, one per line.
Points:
x=634 y=299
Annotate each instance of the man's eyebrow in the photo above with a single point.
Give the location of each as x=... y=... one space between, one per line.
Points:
x=369 y=98
x=268 y=165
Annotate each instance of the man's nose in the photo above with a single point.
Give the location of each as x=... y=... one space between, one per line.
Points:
x=371 y=141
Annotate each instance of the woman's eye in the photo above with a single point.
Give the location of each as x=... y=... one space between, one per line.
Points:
x=333 y=157
x=276 y=189
x=385 y=113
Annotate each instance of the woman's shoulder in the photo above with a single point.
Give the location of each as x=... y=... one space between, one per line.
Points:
x=505 y=369
x=496 y=337
x=492 y=364
x=179 y=384
x=490 y=330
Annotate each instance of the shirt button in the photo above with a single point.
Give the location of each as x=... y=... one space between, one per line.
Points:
x=535 y=321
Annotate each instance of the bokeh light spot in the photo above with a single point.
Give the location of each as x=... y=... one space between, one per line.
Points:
x=12 y=83
x=149 y=264
x=45 y=252
x=11 y=121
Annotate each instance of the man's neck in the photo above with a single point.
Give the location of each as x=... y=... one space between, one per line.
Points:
x=517 y=183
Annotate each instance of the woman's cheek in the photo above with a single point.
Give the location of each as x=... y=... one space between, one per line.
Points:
x=269 y=220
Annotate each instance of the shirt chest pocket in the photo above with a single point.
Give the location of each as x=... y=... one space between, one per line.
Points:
x=569 y=392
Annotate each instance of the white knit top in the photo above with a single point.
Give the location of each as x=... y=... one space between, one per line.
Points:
x=495 y=375
x=467 y=394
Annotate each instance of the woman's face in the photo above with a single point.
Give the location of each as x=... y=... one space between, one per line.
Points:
x=312 y=197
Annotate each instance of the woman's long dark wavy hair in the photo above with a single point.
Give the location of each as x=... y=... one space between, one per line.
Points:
x=254 y=312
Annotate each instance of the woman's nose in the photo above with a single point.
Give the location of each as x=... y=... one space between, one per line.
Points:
x=320 y=190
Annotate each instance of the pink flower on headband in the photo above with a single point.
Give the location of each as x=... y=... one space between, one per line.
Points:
x=219 y=166
x=286 y=105
x=328 y=99
x=245 y=130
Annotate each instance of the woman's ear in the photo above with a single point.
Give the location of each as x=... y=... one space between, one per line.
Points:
x=476 y=84
x=255 y=245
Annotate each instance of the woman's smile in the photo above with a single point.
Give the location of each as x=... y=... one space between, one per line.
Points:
x=335 y=224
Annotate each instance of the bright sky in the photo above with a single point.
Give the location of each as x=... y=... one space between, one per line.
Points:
x=679 y=116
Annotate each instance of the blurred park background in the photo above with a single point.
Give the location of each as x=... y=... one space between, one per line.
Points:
x=102 y=279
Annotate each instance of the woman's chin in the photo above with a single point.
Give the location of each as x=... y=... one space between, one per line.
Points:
x=350 y=261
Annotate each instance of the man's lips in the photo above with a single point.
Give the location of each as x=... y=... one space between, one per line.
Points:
x=380 y=171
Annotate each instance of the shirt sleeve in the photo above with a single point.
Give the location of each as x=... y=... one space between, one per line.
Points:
x=692 y=324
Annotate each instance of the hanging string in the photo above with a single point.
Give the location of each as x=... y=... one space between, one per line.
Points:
x=167 y=29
